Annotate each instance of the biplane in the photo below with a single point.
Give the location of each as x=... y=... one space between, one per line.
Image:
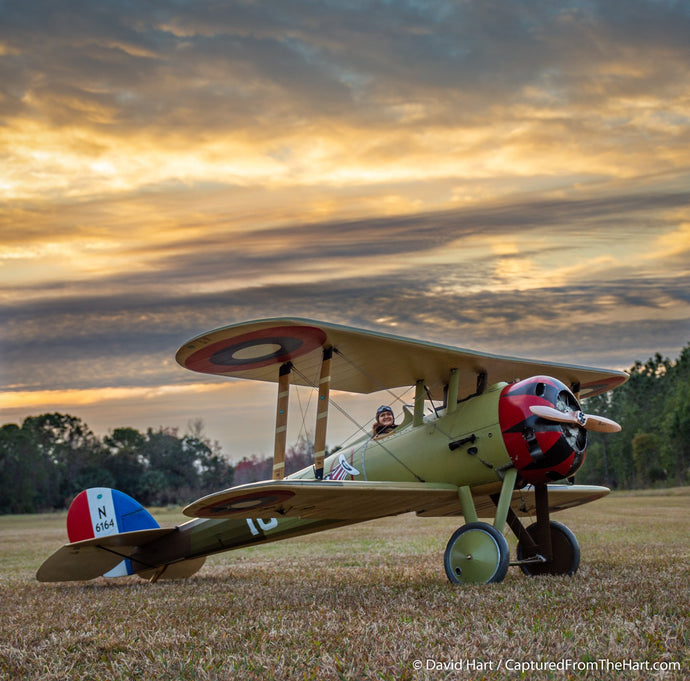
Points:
x=496 y=440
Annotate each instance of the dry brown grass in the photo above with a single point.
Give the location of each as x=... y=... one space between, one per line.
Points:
x=362 y=602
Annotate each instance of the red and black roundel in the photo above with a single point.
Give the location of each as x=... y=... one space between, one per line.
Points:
x=256 y=349
x=254 y=501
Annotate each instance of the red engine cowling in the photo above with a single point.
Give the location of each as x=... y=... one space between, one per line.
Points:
x=541 y=450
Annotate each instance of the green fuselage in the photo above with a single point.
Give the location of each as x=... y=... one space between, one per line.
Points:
x=463 y=447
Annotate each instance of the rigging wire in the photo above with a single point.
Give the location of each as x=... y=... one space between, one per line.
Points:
x=372 y=378
x=303 y=411
x=331 y=401
x=342 y=411
x=382 y=387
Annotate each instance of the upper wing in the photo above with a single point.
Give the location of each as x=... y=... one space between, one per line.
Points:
x=365 y=361
x=366 y=500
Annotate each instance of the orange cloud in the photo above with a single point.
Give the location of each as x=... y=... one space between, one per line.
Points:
x=40 y=400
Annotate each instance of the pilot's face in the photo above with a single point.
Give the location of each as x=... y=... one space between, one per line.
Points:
x=386 y=418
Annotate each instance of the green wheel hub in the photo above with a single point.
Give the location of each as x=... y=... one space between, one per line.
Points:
x=477 y=553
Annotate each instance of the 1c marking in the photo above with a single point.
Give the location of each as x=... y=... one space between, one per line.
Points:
x=264 y=525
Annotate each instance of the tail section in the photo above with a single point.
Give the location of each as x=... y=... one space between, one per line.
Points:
x=105 y=527
x=100 y=512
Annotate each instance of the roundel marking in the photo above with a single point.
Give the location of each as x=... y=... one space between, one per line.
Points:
x=253 y=501
x=256 y=349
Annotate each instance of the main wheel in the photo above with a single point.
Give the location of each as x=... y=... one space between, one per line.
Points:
x=477 y=553
x=565 y=552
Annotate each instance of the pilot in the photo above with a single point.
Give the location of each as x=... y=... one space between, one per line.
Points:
x=385 y=421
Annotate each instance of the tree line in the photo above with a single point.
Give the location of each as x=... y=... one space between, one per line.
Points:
x=653 y=408
x=50 y=458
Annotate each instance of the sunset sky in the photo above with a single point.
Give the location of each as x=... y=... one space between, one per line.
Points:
x=511 y=177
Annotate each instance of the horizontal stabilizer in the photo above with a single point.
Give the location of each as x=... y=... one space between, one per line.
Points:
x=92 y=558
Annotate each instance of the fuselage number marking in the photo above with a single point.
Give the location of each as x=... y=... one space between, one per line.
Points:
x=263 y=524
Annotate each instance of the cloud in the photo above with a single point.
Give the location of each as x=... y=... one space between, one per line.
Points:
x=339 y=93
x=194 y=247
x=537 y=278
x=72 y=398
x=506 y=177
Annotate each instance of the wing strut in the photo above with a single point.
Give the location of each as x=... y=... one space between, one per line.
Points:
x=322 y=413
x=419 y=395
x=281 y=421
x=453 y=388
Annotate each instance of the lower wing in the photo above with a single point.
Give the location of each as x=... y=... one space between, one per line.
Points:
x=365 y=500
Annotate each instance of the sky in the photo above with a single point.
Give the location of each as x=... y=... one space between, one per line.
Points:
x=507 y=177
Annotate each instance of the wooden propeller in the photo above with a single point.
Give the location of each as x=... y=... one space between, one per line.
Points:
x=599 y=424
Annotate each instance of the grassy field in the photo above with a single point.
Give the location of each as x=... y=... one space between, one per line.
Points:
x=364 y=602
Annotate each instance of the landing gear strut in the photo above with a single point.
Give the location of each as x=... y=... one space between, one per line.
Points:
x=478 y=553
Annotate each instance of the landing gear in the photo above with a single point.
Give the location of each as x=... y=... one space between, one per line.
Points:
x=477 y=553
x=565 y=552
